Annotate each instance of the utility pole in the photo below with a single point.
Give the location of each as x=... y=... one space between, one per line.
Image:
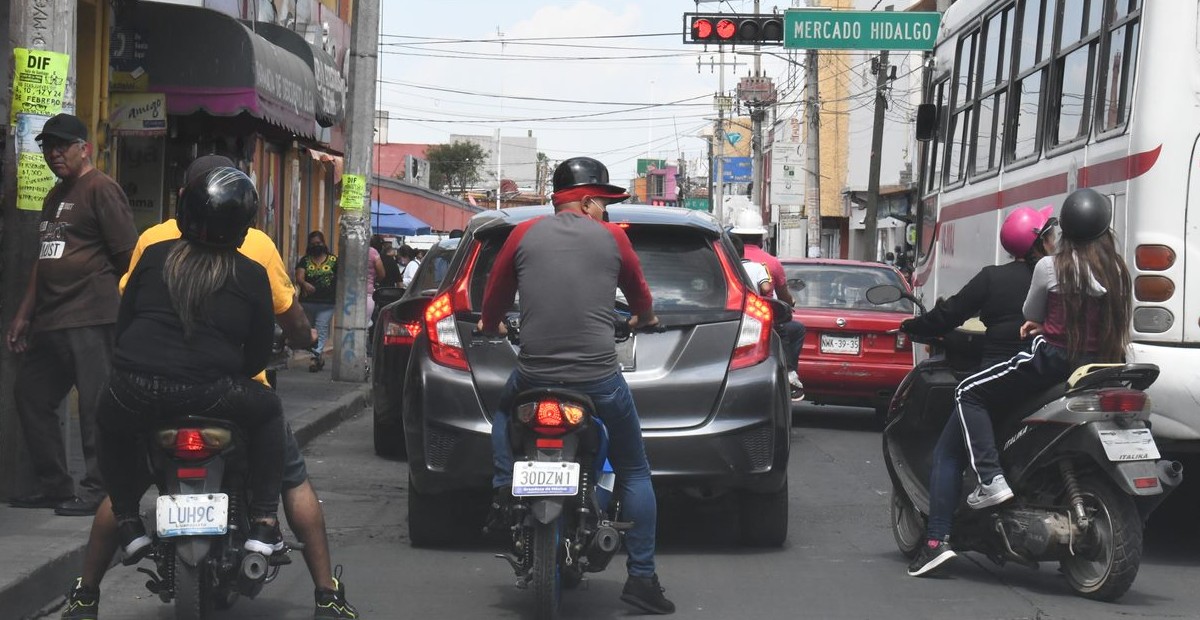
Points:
x=870 y=249
x=719 y=180
x=41 y=25
x=812 y=206
x=350 y=335
x=757 y=112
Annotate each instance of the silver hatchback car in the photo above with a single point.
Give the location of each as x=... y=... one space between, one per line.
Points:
x=711 y=390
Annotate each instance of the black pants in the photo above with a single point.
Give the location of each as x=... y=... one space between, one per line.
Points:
x=792 y=333
x=56 y=361
x=134 y=404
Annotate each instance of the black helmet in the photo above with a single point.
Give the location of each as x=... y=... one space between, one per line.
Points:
x=1085 y=215
x=579 y=171
x=216 y=209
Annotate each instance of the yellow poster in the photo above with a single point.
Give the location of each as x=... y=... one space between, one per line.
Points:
x=354 y=192
x=34 y=181
x=39 y=81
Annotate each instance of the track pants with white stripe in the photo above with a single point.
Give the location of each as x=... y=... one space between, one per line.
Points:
x=968 y=435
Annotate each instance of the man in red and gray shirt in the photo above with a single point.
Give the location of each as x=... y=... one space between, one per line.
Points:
x=567 y=268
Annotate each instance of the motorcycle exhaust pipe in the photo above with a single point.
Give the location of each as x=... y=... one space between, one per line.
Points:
x=602 y=548
x=607 y=539
x=254 y=567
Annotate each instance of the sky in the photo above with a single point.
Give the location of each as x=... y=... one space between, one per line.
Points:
x=443 y=71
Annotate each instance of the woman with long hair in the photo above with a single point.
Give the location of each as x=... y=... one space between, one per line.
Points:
x=1077 y=311
x=195 y=325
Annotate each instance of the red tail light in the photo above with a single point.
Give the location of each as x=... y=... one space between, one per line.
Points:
x=191 y=473
x=549 y=413
x=1124 y=401
x=400 y=332
x=190 y=446
x=550 y=417
x=445 y=345
x=902 y=342
x=1145 y=483
x=735 y=296
x=754 y=337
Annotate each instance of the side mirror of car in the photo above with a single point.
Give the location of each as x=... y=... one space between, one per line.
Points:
x=385 y=295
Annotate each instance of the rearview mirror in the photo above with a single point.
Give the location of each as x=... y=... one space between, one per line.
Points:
x=385 y=295
x=884 y=294
x=926 y=122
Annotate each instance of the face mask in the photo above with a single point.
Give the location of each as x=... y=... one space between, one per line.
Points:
x=316 y=249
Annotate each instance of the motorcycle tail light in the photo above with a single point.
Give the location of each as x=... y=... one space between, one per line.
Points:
x=190 y=446
x=550 y=417
x=1145 y=483
x=1123 y=401
x=191 y=473
x=549 y=413
x=572 y=414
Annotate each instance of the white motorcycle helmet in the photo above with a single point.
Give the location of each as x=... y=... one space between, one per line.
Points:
x=748 y=222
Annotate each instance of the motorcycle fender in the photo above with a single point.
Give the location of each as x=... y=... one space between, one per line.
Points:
x=193 y=549
x=546 y=510
x=1085 y=439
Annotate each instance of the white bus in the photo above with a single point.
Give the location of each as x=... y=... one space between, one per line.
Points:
x=1036 y=98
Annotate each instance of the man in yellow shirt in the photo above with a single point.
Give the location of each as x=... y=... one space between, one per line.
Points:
x=300 y=504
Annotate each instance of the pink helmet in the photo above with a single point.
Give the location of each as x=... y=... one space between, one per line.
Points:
x=1022 y=228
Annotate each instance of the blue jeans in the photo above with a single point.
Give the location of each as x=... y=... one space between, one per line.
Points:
x=991 y=389
x=627 y=453
x=320 y=315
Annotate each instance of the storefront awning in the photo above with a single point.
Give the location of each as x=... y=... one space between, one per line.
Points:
x=205 y=61
x=331 y=86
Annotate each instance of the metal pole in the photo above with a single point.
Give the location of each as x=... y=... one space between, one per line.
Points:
x=42 y=25
x=350 y=334
x=757 y=112
x=870 y=247
x=719 y=181
x=812 y=206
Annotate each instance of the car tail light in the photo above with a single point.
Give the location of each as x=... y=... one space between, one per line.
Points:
x=400 y=332
x=902 y=341
x=194 y=444
x=445 y=345
x=550 y=417
x=1154 y=257
x=754 y=337
x=735 y=296
x=1110 y=400
x=1153 y=288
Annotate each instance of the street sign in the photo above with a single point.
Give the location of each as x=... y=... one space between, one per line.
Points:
x=736 y=170
x=860 y=30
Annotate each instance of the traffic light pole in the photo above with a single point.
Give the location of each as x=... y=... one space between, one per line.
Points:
x=812 y=206
x=350 y=335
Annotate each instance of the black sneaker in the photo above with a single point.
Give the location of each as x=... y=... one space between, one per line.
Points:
x=264 y=539
x=83 y=603
x=499 y=518
x=134 y=541
x=332 y=605
x=645 y=594
x=930 y=556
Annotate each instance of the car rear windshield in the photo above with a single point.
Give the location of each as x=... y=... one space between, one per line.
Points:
x=679 y=264
x=841 y=286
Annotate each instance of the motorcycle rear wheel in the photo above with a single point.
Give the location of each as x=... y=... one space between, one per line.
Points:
x=1109 y=555
x=193 y=600
x=547 y=577
x=908 y=525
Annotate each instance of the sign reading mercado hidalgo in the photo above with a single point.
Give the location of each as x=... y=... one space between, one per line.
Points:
x=860 y=30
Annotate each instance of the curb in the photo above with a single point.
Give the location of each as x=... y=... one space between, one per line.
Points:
x=48 y=581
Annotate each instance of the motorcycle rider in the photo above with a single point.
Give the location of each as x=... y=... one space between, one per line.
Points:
x=749 y=229
x=997 y=292
x=302 y=508
x=1077 y=310
x=566 y=267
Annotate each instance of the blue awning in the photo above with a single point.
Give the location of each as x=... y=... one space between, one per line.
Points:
x=389 y=220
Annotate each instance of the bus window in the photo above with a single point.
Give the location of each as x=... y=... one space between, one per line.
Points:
x=1122 y=54
x=959 y=134
x=933 y=169
x=1070 y=29
x=1074 y=94
x=1031 y=13
x=993 y=84
x=1027 y=112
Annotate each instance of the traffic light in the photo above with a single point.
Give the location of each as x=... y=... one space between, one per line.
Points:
x=732 y=29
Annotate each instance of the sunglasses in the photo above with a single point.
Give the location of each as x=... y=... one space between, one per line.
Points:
x=57 y=145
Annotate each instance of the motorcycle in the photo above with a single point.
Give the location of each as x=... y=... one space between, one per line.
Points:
x=200 y=519
x=1080 y=458
x=566 y=521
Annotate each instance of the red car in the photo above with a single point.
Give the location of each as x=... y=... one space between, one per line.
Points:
x=853 y=352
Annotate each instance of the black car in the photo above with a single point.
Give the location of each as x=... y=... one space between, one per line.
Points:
x=711 y=390
x=392 y=340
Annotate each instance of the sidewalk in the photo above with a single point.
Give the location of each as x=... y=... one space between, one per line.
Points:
x=41 y=553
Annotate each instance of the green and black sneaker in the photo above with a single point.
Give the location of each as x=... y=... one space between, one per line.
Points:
x=83 y=603
x=332 y=604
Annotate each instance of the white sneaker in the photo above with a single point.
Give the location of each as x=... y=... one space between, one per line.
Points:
x=794 y=379
x=986 y=495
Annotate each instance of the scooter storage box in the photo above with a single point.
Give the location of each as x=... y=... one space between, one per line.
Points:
x=933 y=393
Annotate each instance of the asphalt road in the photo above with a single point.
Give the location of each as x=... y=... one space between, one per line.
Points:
x=840 y=561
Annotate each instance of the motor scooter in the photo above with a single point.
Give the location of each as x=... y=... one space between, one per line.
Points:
x=1079 y=456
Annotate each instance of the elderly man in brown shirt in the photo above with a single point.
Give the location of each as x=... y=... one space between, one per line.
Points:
x=64 y=325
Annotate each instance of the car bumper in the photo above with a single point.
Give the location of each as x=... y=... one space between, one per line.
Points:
x=747 y=450
x=850 y=383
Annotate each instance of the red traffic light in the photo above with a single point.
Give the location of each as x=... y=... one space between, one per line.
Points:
x=702 y=29
x=731 y=28
x=726 y=29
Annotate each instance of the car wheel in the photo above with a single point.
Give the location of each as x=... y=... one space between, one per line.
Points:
x=443 y=519
x=764 y=518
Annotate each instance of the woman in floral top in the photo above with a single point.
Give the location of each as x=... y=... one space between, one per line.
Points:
x=316 y=277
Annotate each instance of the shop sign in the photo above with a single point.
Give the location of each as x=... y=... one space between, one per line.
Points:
x=140 y=173
x=138 y=114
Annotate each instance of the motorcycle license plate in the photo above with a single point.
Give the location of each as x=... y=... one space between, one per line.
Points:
x=192 y=515
x=839 y=345
x=1134 y=444
x=536 y=478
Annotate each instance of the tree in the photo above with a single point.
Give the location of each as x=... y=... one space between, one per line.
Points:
x=455 y=166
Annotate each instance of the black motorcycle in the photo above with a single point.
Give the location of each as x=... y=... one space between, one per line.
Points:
x=200 y=519
x=1079 y=456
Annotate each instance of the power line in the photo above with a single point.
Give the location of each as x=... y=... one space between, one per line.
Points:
x=681 y=102
x=437 y=40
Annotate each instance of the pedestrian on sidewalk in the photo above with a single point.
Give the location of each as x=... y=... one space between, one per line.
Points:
x=64 y=324
x=316 y=275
